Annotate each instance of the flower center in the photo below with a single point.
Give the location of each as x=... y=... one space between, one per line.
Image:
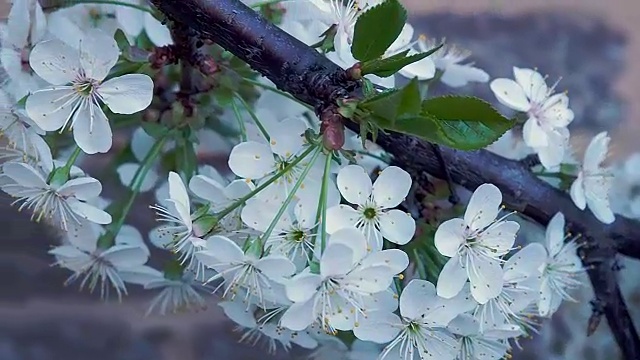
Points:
x=370 y=213
x=298 y=236
x=85 y=87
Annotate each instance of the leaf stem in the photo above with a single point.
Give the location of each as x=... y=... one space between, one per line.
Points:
x=243 y=128
x=252 y=113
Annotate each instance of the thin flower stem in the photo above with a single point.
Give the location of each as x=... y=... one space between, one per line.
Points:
x=275 y=177
x=135 y=185
x=321 y=212
x=243 y=128
x=275 y=90
x=287 y=201
x=252 y=113
x=73 y=158
x=112 y=2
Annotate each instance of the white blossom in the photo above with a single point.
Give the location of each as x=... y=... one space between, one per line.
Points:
x=593 y=184
x=490 y=344
x=420 y=330
x=243 y=272
x=346 y=286
x=560 y=270
x=475 y=245
x=79 y=89
x=97 y=266
x=374 y=214
x=448 y=60
x=548 y=115
x=519 y=288
x=177 y=293
x=65 y=204
x=133 y=21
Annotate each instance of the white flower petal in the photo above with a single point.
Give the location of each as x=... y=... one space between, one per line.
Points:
x=534 y=135
x=525 y=263
x=127 y=94
x=89 y=212
x=98 y=54
x=577 y=192
x=275 y=267
x=486 y=278
x=337 y=259
x=288 y=137
x=341 y=216
x=208 y=189
x=50 y=108
x=397 y=226
x=302 y=287
x=125 y=256
x=351 y=238
x=554 y=235
x=25 y=175
x=391 y=187
x=238 y=313
x=299 y=316
x=456 y=75
x=483 y=207
x=224 y=250
x=596 y=152
x=91 y=129
x=251 y=160
x=177 y=191
x=84 y=188
x=532 y=83
x=418 y=298
x=130 y=19
x=354 y=184
x=500 y=237
x=452 y=278
x=140 y=275
x=600 y=207
x=511 y=94
x=158 y=33
x=126 y=173
x=396 y=259
x=449 y=236
x=55 y=62
x=379 y=327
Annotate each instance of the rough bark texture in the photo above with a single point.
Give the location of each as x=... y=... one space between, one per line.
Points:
x=317 y=81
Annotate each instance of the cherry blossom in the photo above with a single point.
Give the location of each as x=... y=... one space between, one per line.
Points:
x=79 y=89
x=593 y=184
x=475 y=245
x=561 y=268
x=374 y=214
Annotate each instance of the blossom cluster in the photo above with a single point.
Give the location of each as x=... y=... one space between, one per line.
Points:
x=299 y=242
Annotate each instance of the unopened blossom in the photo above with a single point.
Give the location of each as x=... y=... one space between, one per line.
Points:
x=345 y=289
x=79 y=89
x=561 y=270
x=65 y=204
x=547 y=112
x=98 y=267
x=420 y=330
x=448 y=60
x=520 y=284
x=475 y=245
x=594 y=181
x=374 y=212
x=243 y=272
x=490 y=344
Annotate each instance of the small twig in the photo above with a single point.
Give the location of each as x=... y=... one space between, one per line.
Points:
x=453 y=197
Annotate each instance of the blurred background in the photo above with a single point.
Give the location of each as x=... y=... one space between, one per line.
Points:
x=593 y=45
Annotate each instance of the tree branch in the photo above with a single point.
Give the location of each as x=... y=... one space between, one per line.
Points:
x=315 y=80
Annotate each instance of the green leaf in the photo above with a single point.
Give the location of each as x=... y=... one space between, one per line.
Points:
x=467 y=122
x=121 y=39
x=392 y=104
x=376 y=29
x=391 y=65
